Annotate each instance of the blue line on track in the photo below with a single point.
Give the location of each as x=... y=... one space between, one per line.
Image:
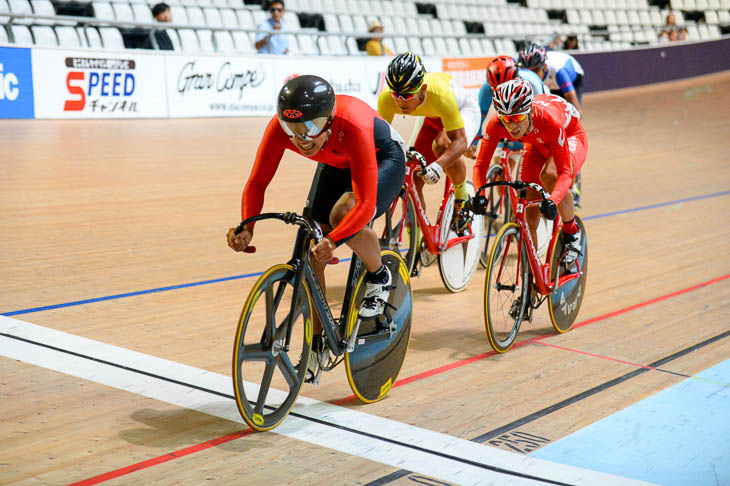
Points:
x=256 y=274
x=659 y=205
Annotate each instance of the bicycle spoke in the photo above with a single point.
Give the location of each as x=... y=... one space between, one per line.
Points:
x=288 y=371
x=279 y=293
x=254 y=352
x=270 y=327
x=264 y=387
x=506 y=290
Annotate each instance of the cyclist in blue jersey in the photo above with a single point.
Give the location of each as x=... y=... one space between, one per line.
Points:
x=561 y=72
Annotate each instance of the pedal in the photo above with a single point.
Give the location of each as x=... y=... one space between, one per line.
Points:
x=515 y=308
x=313 y=379
x=417 y=267
x=350 y=347
x=427 y=258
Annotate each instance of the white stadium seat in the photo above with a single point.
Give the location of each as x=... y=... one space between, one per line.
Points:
x=229 y=19
x=205 y=38
x=44 y=36
x=111 y=38
x=195 y=16
x=90 y=37
x=67 y=36
x=123 y=12
x=212 y=17
x=142 y=13
x=188 y=40
x=103 y=10
x=21 y=7
x=43 y=7
x=223 y=41
x=243 y=42
x=21 y=35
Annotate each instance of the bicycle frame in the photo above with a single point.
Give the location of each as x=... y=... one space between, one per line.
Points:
x=540 y=271
x=431 y=233
x=507 y=176
x=334 y=329
x=300 y=261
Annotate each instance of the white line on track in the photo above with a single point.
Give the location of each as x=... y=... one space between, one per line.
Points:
x=424 y=460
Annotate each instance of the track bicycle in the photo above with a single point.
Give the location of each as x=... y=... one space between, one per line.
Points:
x=517 y=281
x=502 y=201
x=406 y=222
x=274 y=335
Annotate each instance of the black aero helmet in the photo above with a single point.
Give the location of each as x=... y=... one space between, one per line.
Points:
x=306 y=106
x=405 y=73
x=532 y=56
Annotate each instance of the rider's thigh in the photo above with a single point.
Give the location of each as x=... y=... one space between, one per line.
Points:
x=441 y=143
x=424 y=141
x=532 y=165
x=578 y=148
x=343 y=205
x=549 y=175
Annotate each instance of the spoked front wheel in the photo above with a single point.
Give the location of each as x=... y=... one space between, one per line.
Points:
x=506 y=288
x=381 y=343
x=271 y=350
x=499 y=210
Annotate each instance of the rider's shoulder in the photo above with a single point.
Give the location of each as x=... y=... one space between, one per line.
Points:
x=438 y=83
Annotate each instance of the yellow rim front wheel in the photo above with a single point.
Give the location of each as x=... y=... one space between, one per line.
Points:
x=271 y=350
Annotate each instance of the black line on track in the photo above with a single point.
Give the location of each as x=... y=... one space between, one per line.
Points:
x=304 y=417
x=570 y=401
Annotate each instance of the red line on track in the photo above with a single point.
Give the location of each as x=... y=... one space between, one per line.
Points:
x=164 y=458
x=597 y=356
x=420 y=376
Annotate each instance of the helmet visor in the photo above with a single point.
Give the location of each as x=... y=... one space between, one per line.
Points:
x=305 y=130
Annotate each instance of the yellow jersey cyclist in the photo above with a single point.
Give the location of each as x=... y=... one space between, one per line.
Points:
x=450 y=121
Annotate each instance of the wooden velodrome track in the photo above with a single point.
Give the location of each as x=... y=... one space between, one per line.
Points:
x=114 y=231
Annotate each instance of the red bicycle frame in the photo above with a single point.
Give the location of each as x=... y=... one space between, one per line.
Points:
x=431 y=233
x=541 y=271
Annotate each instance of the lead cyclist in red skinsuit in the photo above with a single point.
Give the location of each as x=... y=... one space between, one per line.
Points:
x=360 y=173
x=555 y=149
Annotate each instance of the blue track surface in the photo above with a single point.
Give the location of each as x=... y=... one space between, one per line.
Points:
x=678 y=437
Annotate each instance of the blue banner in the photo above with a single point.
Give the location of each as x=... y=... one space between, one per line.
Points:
x=16 y=83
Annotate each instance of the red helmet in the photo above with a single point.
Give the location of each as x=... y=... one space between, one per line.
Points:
x=501 y=70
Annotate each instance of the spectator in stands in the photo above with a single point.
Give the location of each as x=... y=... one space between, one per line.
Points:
x=269 y=38
x=669 y=33
x=682 y=34
x=555 y=42
x=571 y=43
x=161 y=13
x=374 y=46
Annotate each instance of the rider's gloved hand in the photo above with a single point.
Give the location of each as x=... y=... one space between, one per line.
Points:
x=432 y=173
x=478 y=204
x=549 y=209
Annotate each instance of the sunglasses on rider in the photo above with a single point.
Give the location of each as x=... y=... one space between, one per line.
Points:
x=513 y=118
x=308 y=130
x=404 y=96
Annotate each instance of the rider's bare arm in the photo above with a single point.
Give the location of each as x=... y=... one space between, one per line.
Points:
x=454 y=149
